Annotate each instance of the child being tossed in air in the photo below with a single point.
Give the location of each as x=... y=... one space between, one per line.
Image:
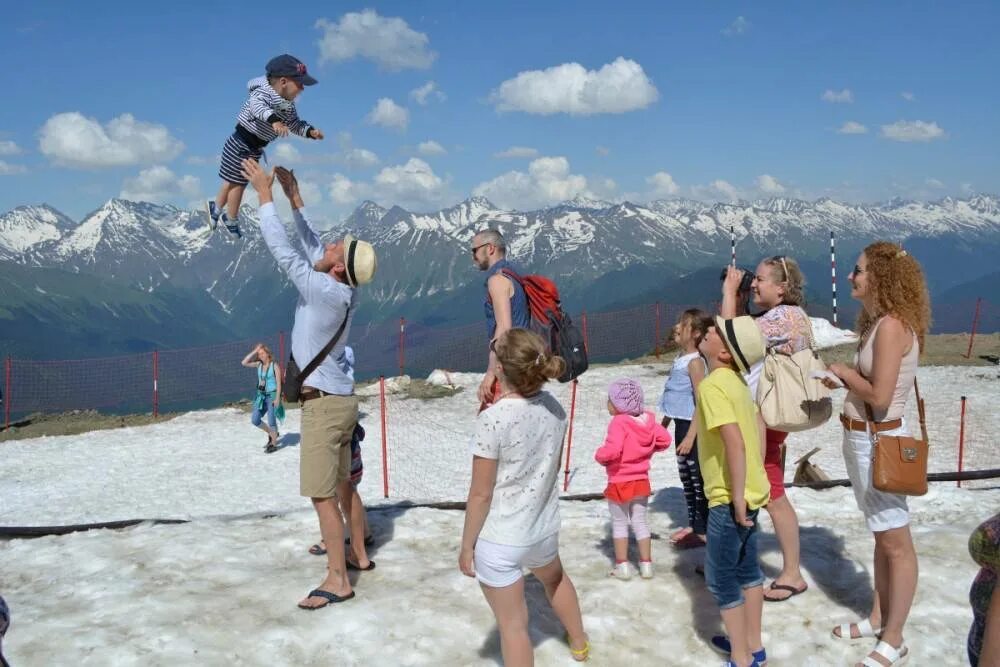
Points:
x=268 y=113
x=633 y=436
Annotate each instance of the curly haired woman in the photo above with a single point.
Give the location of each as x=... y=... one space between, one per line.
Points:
x=894 y=319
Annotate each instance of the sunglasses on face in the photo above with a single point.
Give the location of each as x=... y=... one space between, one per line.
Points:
x=493 y=345
x=475 y=249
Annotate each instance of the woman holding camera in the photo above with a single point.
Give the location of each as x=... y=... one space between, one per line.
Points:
x=777 y=287
x=268 y=396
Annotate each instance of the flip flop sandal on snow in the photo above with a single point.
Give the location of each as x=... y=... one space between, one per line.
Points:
x=865 y=631
x=355 y=566
x=775 y=586
x=330 y=597
x=317 y=549
x=690 y=541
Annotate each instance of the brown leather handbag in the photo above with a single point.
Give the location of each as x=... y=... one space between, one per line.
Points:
x=899 y=462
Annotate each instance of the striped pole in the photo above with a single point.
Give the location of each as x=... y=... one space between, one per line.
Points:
x=732 y=243
x=156 y=383
x=833 y=276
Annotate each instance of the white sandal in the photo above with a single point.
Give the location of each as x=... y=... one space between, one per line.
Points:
x=865 y=631
x=889 y=652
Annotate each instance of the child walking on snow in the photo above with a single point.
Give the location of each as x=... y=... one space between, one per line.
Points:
x=677 y=404
x=268 y=113
x=633 y=436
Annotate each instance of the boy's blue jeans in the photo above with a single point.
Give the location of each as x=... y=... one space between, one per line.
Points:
x=731 y=563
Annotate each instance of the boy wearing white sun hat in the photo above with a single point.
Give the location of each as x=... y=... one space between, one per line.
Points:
x=735 y=484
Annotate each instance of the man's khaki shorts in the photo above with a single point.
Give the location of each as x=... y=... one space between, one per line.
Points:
x=325 y=456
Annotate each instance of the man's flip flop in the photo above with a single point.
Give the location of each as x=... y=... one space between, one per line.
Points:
x=775 y=586
x=355 y=566
x=317 y=549
x=330 y=597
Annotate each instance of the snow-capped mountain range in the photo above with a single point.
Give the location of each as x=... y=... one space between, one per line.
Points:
x=424 y=261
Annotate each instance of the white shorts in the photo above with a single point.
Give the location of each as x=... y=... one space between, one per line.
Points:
x=883 y=511
x=500 y=565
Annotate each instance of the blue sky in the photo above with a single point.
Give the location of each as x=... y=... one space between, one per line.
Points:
x=852 y=100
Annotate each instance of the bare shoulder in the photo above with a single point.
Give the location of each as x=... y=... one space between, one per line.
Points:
x=499 y=283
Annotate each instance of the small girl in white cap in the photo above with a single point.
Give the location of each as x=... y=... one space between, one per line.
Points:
x=633 y=436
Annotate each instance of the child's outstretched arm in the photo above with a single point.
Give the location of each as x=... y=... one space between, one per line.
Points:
x=611 y=450
x=736 y=461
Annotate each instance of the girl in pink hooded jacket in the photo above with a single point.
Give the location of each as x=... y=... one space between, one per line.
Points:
x=633 y=436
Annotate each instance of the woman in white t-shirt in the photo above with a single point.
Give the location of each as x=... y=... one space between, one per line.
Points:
x=512 y=514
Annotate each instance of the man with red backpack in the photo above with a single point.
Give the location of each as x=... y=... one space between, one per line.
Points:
x=506 y=304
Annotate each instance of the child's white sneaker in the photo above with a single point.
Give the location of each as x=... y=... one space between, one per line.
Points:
x=646 y=569
x=622 y=571
x=213 y=214
x=232 y=224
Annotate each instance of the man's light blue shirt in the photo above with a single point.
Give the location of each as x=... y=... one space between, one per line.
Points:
x=323 y=301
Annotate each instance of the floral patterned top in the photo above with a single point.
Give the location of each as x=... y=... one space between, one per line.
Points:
x=786 y=322
x=787 y=330
x=984 y=547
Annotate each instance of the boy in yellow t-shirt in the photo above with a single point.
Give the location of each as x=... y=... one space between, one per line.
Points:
x=735 y=484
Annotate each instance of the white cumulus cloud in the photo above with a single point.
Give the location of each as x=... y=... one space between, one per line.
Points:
x=737 y=27
x=423 y=94
x=662 y=185
x=769 y=185
x=431 y=147
x=844 y=96
x=908 y=96
x=913 y=130
x=517 y=152
x=716 y=190
x=286 y=152
x=345 y=191
x=933 y=183
x=358 y=158
x=8 y=169
x=570 y=88
x=413 y=183
x=159 y=185
x=852 y=127
x=73 y=140
x=548 y=181
x=388 y=41
x=388 y=114
x=9 y=148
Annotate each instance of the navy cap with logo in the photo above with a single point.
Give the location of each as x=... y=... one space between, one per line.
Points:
x=289 y=66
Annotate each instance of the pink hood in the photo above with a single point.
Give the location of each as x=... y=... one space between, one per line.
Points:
x=630 y=444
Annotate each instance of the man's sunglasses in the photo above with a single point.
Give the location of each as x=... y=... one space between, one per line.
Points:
x=475 y=249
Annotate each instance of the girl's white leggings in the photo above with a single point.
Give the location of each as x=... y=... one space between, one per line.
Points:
x=633 y=512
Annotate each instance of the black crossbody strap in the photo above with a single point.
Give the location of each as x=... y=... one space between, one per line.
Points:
x=326 y=349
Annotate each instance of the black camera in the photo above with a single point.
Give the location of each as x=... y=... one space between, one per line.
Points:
x=745 y=281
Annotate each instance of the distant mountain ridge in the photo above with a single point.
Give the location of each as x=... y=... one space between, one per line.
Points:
x=425 y=272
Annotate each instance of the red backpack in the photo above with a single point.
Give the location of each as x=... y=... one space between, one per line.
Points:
x=554 y=325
